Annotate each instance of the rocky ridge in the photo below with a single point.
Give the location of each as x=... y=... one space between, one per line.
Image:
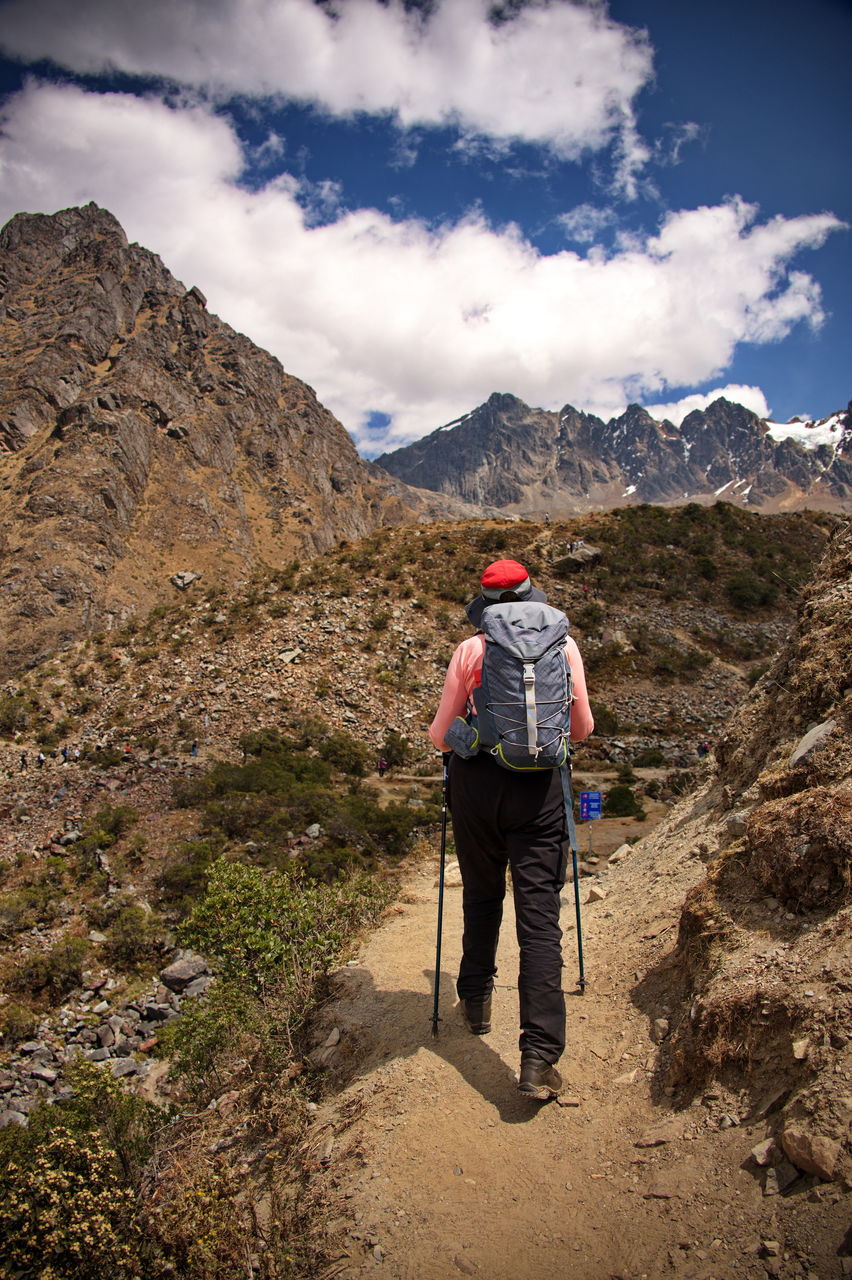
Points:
x=141 y=438
x=531 y=461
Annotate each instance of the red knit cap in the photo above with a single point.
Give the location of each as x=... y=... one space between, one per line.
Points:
x=505 y=575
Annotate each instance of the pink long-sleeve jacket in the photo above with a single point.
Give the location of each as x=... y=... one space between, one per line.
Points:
x=464 y=674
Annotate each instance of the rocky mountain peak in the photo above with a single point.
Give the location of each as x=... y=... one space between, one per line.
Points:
x=531 y=461
x=141 y=436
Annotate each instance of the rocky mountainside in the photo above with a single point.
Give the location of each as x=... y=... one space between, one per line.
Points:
x=532 y=461
x=142 y=438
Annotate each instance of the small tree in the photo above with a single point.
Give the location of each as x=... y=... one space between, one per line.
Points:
x=395 y=748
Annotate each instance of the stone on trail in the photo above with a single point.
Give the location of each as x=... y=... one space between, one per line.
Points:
x=661 y=1133
x=452 y=876
x=762 y=1153
x=811 y=1151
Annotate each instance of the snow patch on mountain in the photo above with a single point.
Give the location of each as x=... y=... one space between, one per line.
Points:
x=810 y=435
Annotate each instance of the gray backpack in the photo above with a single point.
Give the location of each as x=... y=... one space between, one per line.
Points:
x=522 y=709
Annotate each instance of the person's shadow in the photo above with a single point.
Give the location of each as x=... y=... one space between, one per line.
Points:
x=378 y=1026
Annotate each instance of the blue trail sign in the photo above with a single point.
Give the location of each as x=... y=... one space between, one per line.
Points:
x=590 y=805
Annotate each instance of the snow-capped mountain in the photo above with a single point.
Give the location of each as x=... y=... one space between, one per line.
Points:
x=527 y=460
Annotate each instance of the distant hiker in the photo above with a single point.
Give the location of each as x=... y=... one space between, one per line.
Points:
x=502 y=817
x=64 y=755
x=382 y=766
x=40 y=759
x=194 y=749
x=76 y=755
x=24 y=761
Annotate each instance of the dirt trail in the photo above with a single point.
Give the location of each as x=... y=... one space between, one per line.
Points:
x=430 y=1163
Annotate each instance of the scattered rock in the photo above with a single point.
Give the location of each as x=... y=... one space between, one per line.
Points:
x=181 y=972
x=812 y=739
x=659 y=1134
x=452 y=876
x=659 y=1030
x=811 y=1152
x=465 y=1267
x=762 y=1153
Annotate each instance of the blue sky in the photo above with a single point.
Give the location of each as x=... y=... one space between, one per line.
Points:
x=415 y=206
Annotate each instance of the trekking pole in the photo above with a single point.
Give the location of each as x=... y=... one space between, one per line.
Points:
x=435 y=1018
x=572 y=842
x=581 y=982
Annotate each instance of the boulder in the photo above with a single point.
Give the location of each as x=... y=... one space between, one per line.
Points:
x=811 y=1152
x=181 y=972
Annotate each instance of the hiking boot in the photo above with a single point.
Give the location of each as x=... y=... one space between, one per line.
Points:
x=538 y=1078
x=477 y=1015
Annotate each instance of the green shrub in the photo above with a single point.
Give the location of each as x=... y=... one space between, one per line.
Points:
x=108 y=824
x=30 y=905
x=492 y=540
x=17 y=1023
x=345 y=753
x=589 y=617
x=184 y=877
x=606 y=721
x=395 y=748
x=285 y=788
x=134 y=936
x=650 y=758
x=379 y=619
x=707 y=567
x=14 y=715
x=746 y=591
x=69 y=1182
x=272 y=938
x=64 y=1212
x=211 y=1034
x=620 y=802
x=265 y=928
x=54 y=972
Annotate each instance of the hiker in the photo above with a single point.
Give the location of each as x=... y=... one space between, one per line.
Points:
x=194 y=749
x=519 y=819
x=381 y=766
x=64 y=754
x=40 y=759
x=24 y=761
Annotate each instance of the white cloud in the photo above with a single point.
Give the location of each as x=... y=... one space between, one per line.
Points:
x=751 y=397
x=418 y=323
x=559 y=73
x=585 y=222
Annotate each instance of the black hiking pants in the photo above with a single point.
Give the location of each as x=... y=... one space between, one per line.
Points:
x=502 y=818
